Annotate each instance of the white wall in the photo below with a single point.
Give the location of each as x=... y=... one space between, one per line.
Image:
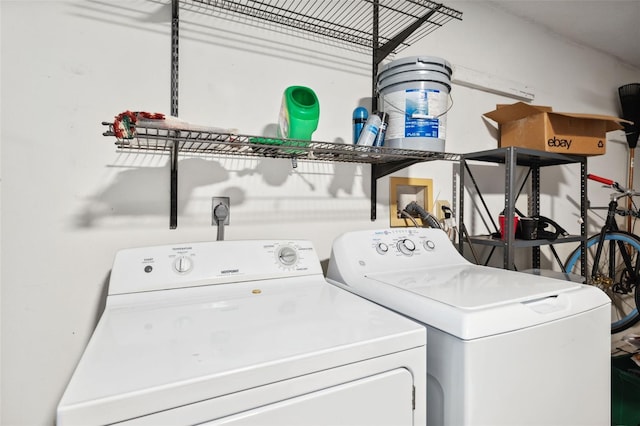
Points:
x=69 y=200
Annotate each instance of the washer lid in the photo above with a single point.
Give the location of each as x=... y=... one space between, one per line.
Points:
x=155 y=351
x=472 y=286
x=471 y=301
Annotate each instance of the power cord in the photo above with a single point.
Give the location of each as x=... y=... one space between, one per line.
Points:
x=449 y=224
x=414 y=209
x=407 y=215
x=451 y=228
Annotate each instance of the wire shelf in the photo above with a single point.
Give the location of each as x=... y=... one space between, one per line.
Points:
x=351 y=23
x=211 y=142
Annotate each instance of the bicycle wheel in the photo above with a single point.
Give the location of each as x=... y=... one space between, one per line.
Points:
x=618 y=285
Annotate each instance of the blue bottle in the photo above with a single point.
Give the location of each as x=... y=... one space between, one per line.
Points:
x=360 y=116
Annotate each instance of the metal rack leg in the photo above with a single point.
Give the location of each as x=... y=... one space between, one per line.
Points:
x=583 y=215
x=534 y=211
x=510 y=168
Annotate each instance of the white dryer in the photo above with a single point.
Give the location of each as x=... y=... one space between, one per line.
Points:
x=505 y=348
x=243 y=333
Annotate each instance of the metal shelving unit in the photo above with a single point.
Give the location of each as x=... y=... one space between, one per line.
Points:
x=512 y=157
x=378 y=27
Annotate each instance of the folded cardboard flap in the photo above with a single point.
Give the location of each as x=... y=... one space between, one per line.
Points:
x=505 y=113
x=539 y=127
x=611 y=123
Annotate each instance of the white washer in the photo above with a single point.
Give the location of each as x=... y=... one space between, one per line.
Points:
x=243 y=333
x=505 y=348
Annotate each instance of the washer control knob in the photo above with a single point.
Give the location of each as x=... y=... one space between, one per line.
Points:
x=287 y=255
x=382 y=248
x=406 y=246
x=429 y=245
x=183 y=264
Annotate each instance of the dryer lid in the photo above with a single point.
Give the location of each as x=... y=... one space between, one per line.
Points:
x=152 y=352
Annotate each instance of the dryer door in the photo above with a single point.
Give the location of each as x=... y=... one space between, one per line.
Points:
x=367 y=393
x=383 y=399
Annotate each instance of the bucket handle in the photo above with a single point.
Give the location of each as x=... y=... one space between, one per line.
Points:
x=426 y=117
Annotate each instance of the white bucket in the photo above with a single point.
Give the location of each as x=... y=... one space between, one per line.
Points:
x=414 y=91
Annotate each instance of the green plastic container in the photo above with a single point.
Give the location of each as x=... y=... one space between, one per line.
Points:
x=299 y=113
x=625 y=392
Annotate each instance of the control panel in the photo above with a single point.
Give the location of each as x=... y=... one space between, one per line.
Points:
x=393 y=249
x=205 y=263
x=404 y=242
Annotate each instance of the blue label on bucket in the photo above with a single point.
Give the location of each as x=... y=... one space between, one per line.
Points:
x=418 y=121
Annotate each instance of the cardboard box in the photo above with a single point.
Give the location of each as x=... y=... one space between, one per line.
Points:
x=538 y=127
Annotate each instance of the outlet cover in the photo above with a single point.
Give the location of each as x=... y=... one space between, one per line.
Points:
x=439 y=205
x=215 y=202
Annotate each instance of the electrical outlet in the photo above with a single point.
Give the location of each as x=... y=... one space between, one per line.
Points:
x=439 y=212
x=215 y=202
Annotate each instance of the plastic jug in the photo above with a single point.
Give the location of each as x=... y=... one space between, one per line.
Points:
x=299 y=113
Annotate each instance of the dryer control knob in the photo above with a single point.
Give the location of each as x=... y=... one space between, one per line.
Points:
x=183 y=264
x=429 y=245
x=382 y=248
x=287 y=256
x=406 y=246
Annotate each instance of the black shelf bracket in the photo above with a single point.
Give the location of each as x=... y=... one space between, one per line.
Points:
x=380 y=52
x=381 y=170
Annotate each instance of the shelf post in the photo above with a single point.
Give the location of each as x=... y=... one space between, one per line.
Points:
x=509 y=207
x=173 y=208
x=374 y=194
x=583 y=214
x=534 y=209
x=173 y=213
x=375 y=59
x=461 y=229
